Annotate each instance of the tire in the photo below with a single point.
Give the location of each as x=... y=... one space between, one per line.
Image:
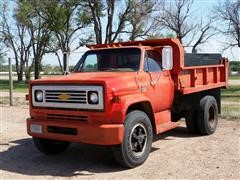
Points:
x=208 y=115
x=137 y=140
x=191 y=122
x=48 y=146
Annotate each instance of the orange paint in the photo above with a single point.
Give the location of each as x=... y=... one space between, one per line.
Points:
x=101 y=134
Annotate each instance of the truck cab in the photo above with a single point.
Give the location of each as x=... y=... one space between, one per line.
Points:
x=120 y=95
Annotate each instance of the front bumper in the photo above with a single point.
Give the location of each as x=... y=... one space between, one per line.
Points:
x=101 y=134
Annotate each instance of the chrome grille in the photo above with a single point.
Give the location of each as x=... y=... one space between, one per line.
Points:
x=67 y=96
x=66 y=117
x=74 y=96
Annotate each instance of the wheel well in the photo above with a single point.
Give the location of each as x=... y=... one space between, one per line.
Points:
x=184 y=103
x=145 y=107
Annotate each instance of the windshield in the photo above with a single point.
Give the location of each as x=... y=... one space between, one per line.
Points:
x=120 y=59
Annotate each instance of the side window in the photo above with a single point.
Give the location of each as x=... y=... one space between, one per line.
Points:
x=152 y=61
x=90 y=63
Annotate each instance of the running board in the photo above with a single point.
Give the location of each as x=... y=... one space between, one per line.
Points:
x=163 y=121
x=166 y=126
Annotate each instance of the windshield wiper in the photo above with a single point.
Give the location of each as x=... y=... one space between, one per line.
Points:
x=111 y=69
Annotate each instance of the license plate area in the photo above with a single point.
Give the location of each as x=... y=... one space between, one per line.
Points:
x=35 y=128
x=62 y=130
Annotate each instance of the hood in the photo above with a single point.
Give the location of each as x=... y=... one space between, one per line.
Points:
x=114 y=80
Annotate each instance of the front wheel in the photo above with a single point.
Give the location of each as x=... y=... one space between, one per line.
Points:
x=137 y=140
x=48 y=146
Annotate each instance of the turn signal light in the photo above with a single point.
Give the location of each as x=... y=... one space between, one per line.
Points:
x=27 y=97
x=116 y=99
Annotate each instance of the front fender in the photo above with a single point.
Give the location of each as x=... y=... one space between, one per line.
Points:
x=119 y=109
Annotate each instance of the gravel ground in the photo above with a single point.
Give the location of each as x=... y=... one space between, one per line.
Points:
x=175 y=155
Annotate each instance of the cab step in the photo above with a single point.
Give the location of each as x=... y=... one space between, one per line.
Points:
x=166 y=126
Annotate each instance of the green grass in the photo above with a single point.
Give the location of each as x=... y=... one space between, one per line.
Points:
x=234 y=77
x=231 y=98
x=230 y=111
x=232 y=90
x=18 y=86
x=230 y=102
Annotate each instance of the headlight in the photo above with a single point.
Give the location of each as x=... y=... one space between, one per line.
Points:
x=93 y=97
x=38 y=96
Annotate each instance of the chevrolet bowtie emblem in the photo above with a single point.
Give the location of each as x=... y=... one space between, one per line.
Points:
x=64 y=96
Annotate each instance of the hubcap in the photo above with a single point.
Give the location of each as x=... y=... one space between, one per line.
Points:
x=138 y=139
x=211 y=117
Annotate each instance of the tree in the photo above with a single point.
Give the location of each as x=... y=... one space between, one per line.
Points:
x=234 y=66
x=97 y=9
x=38 y=30
x=2 y=60
x=204 y=33
x=140 y=19
x=229 y=15
x=66 y=19
x=15 y=37
x=124 y=19
x=2 y=53
x=176 y=16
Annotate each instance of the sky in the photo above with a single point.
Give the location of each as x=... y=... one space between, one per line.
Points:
x=215 y=44
x=202 y=9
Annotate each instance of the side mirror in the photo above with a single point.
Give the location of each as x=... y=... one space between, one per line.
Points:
x=167 y=58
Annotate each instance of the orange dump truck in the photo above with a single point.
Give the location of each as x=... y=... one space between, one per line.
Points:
x=121 y=94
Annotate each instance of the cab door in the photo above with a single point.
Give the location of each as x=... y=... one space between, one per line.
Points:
x=160 y=87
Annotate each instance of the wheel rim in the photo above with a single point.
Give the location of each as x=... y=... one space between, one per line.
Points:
x=211 y=117
x=138 y=139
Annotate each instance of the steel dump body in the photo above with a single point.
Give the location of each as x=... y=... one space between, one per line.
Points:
x=199 y=78
x=198 y=72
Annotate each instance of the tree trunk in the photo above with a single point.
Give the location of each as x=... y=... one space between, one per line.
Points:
x=194 y=50
x=37 y=68
x=28 y=75
x=20 y=76
x=27 y=71
x=19 y=73
x=59 y=61
x=64 y=62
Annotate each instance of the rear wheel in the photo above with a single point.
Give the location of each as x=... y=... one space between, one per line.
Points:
x=208 y=115
x=137 y=140
x=48 y=146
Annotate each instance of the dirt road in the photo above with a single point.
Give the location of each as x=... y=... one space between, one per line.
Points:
x=175 y=155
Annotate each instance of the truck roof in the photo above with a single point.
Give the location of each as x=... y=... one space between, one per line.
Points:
x=150 y=42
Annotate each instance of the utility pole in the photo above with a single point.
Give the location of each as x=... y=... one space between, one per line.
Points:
x=10 y=82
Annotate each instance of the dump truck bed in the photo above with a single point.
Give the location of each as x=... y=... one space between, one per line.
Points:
x=202 y=72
